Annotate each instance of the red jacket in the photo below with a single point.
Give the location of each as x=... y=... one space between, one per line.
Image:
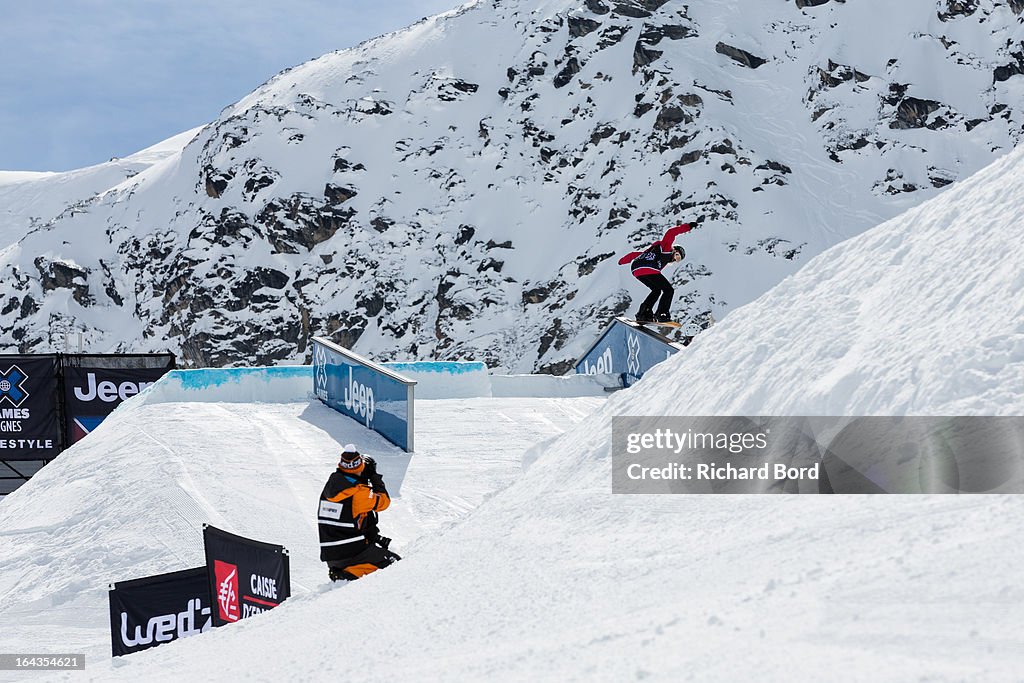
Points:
x=651 y=260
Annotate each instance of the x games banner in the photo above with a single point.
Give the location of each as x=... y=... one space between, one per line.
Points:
x=29 y=417
x=246 y=576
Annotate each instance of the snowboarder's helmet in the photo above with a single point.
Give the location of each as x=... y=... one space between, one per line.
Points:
x=679 y=250
x=350 y=457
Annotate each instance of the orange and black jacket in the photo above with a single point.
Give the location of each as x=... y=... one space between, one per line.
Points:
x=347 y=514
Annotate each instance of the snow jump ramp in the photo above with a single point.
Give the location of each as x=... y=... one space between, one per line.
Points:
x=626 y=349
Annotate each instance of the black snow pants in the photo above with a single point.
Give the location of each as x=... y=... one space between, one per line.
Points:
x=660 y=287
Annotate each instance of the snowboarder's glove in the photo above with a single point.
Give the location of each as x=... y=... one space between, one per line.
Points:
x=383 y=541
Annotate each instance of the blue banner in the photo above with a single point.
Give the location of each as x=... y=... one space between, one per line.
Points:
x=372 y=395
x=626 y=350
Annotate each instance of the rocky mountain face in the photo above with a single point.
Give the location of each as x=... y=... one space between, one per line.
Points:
x=461 y=189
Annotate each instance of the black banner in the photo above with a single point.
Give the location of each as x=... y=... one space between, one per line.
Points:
x=29 y=416
x=147 y=612
x=246 y=576
x=92 y=393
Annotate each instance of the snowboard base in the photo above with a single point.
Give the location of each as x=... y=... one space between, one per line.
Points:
x=670 y=324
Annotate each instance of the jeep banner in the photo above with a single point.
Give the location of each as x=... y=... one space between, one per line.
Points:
x=29 y=417
x=158 y=609
x=376 y=397
x=626 y=349
x=92 y=393
x=245 y=577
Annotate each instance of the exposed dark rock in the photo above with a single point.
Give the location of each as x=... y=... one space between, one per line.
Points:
x=372 y=304
x=554 y=337
x=596 y=6
x=491 y=244
x=691 y=100
x=63 y=275
x=257 y=182
x=723 y=147
x=739 y=56
x=536 y=295
x=809 y=3
x=611 y=36
x=940 y=177
x=466 y=233
x=587 y=266
x=581 y=26
x=652 y=35
x=571 y=68
x=643 y=56
x=896 y=93
x=299 y=221
x=373 y=107
x=216 y=181
x=341 y=165
x=1008 y=71
x=684 y=160
x=109 y=286
x=558 y=368
x=913 y=113
x=642 y=108
x=837 y=74
x=338 y=195
x=958 y=8
x=775 y=166
x=671 y=116
x=625 y=10
x=776 y=246
x=602 y=133
x=454 y=89
x=243 y=289
x=28 y=307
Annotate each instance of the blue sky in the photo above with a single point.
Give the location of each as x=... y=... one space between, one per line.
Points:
x=82 y=81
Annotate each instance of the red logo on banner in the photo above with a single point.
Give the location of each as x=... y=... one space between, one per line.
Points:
x=227 y=590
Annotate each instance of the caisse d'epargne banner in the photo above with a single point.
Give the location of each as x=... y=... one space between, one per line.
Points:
x=818 y=454
x=245 y=577
x=29 y=415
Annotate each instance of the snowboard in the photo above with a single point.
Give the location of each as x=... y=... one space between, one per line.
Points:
x=670 y=324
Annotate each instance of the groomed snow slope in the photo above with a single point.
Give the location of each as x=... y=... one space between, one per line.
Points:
x=130 y=500
x=555 y=578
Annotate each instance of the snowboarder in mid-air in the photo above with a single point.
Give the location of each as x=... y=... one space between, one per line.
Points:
x=646 y=266
x=350 y=542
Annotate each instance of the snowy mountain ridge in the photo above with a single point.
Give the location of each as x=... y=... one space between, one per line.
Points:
x=543 y=573
x=459 y=189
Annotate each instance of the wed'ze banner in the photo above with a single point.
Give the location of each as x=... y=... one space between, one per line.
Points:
x=29 y=412
x=245 y=577
x=147 y=612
